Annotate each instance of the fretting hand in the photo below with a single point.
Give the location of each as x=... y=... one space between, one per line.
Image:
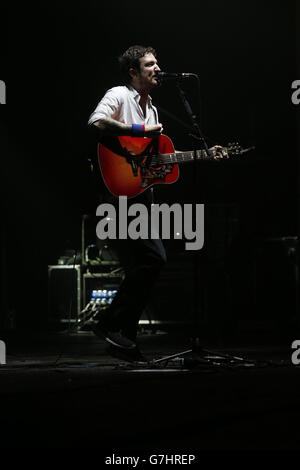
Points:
x=221 y=152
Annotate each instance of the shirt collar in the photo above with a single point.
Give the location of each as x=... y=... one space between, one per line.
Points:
x=136 y=94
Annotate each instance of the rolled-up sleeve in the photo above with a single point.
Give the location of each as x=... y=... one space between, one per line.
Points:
x=108 y=107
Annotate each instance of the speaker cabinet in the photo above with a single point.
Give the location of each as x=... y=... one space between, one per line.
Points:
x=64 y=293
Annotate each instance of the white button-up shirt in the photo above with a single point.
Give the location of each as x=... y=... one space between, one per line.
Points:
x=122 y=103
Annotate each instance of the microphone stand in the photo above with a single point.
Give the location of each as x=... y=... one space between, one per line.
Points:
x=198 y=137
x=212 y=358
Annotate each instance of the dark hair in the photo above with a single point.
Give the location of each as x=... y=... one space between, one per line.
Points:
x=131 y=59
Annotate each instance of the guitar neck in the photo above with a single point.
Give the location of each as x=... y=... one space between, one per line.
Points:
x=181 y=157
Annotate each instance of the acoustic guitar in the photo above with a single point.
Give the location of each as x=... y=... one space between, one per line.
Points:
x=130 y=165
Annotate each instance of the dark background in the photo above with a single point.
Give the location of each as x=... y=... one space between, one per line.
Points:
x=59 y=59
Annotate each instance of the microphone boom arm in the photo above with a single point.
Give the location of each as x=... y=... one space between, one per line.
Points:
x=192 y=116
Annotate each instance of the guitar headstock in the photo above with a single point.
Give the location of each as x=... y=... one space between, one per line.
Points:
x=235 y=149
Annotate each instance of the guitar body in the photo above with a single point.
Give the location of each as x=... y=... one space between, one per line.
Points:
x=125 y=164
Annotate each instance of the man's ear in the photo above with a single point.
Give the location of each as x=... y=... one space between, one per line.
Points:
x=132 y=72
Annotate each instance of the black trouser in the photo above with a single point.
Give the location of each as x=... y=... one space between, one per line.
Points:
x=142 y=261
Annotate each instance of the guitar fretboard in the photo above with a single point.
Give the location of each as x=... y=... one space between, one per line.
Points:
x=181 y=157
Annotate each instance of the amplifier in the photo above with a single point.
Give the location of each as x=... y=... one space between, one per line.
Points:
x=64 y=293
x=265 y=291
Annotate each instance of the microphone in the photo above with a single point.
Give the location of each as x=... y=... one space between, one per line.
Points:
x=174 y=76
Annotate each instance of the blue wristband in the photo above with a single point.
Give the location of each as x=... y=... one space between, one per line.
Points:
x=138 y=130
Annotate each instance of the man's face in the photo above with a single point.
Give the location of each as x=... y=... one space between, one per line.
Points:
x=147 y=75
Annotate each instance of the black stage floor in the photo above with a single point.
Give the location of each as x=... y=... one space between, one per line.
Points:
x=62 y=390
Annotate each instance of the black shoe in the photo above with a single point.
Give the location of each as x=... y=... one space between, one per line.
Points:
x=129 y=355
x=113 y=337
